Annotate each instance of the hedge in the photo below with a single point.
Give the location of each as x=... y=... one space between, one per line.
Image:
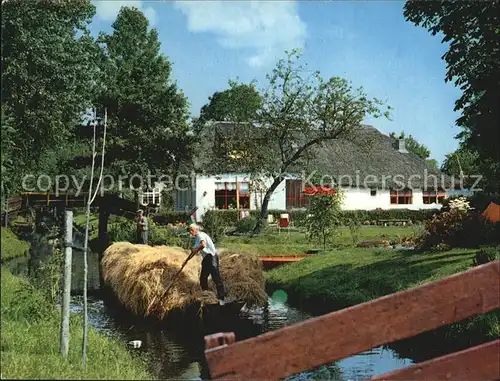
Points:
x=170 y=218
x=229 y=217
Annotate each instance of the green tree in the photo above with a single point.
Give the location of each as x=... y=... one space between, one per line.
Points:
x=238 y=103
x=323 y=217
x=472 y=30
x=462 y=162
x=298 y=111
x=47 y=74
x=9 y=177
x=301 y=110
x=413 y=146
x=147 y=113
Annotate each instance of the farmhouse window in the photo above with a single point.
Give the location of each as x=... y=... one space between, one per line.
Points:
x=294 y=196
x=401 y=196
x=225 y=195
x=433 y=197
x=151 y=198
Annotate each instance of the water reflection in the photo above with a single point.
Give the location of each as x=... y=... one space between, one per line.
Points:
x=177 y=352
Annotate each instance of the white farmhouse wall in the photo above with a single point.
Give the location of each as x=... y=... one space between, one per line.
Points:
x=277 y=200
x=361 y=199
x=206 y=201
x=184 y=198
x=203 y=196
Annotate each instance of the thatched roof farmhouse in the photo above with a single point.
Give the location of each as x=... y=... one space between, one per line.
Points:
x=373 y=170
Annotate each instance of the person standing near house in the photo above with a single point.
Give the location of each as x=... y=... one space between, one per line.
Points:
x=210 y=263
x=142 y=228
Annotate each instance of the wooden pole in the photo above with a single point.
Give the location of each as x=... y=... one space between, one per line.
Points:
x=6 y=212
x=85 y=251
x=237 y=197
x=68 y=242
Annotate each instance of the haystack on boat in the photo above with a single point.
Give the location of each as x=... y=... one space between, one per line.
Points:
x=139 y=275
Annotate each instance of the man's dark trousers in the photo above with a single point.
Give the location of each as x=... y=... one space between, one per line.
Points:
x=210 y=266
x=142 y=237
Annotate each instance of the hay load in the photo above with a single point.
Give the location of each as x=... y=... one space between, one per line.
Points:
x=243 y=276
x=139 y=274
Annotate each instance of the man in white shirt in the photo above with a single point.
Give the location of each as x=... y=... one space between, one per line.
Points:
x=210 y=263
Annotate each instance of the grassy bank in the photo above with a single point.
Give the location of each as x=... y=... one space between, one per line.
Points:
x=30 y=341
x=351 y=276
x=274 y=243
x=30 y=335
x=12 y=247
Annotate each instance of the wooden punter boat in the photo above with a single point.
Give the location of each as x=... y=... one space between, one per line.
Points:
x=209 y=318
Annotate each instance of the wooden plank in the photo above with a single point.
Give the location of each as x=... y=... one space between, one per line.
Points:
x=481 y=362
x=343 y=333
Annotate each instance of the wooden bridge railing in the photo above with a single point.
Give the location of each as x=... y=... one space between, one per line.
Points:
x=110 y=204
x=325 y=339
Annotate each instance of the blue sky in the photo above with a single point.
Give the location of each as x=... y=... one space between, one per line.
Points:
x=368 y=43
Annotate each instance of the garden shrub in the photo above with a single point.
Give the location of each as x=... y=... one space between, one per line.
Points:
x=125 y=230
x=171 y=236
x=354 y=227
x=165 y=218
x=457 y=225
x=246 y=225
x=485 y=255
x=213 y=225
x=229 y=217
x=323 y=214
x=122 y=230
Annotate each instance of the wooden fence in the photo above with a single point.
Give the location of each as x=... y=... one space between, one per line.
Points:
x=337 y=335
x=113 y=203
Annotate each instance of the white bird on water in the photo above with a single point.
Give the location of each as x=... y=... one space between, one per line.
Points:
x=135 y=343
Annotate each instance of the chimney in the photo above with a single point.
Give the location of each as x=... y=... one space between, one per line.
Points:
x=402 y=146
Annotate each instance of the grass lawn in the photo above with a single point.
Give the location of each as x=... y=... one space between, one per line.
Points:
x=80 y=218
x=12 y=247
x=347 y=277
x=274 y=243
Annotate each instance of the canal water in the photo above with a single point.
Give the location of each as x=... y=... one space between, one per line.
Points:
x=173 y=352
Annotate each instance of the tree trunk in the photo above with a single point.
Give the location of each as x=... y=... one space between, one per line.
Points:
x=263 y=209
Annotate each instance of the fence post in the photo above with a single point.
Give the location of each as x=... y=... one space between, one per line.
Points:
x=68 y=242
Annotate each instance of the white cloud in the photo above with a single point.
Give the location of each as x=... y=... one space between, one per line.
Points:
x=108 y=9
x=266 y=28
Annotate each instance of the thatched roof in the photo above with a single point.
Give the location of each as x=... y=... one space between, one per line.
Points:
x=371 y=159
x=379 y=164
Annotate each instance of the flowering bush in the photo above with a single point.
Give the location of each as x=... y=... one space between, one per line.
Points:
x=458 y=225
x=460 y=203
